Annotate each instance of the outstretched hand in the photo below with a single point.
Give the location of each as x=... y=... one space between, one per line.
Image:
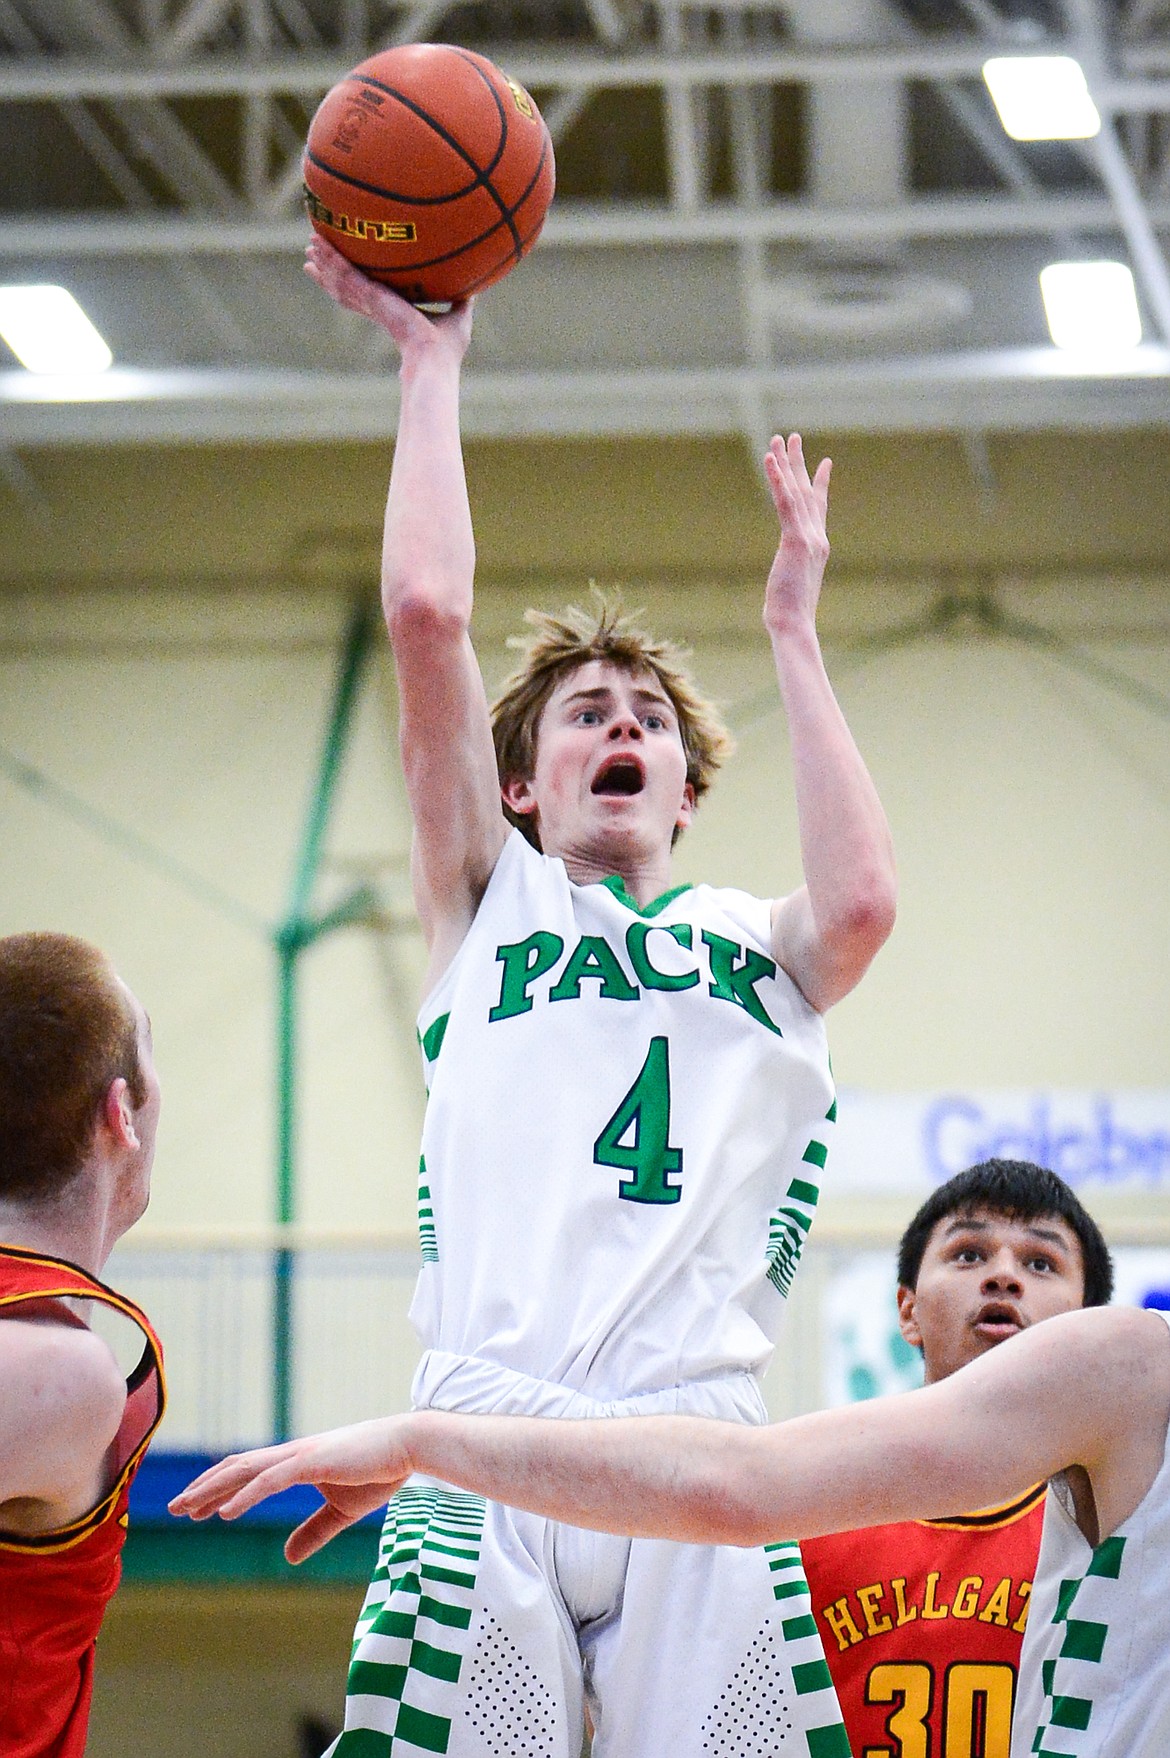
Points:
x=409 y=327
x=794 y=584
x=355 y=1469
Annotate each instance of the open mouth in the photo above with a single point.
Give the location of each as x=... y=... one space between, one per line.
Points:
x=620 y=775
x=998 y=1320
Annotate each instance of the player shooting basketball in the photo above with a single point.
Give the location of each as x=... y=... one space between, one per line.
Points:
x=630 y=1105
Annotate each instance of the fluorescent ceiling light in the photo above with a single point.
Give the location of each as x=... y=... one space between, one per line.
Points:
x=1042 y=97
x=48 y=331
x=1091 y=305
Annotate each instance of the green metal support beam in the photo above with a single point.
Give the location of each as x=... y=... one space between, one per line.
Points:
x=296 y=932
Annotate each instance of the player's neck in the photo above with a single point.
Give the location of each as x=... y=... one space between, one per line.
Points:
x=644 y=876
x=76 y=1227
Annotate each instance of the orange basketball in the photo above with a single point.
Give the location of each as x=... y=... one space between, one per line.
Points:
x=430 y=169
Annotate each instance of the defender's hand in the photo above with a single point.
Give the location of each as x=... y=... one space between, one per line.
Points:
x=355 y=1470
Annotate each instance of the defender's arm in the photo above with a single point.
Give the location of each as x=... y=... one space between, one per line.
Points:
x=1088 y=1389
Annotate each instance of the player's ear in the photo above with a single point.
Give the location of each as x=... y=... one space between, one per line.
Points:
x=117 y=1113
x=687 y=809
x=517 y=793
x=908 y=1316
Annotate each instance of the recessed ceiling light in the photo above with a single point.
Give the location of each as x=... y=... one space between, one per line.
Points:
x=1042 y=97
x=1091 y=305
x=48 y=331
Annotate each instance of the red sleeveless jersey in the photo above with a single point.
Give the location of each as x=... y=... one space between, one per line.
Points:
x=54 y=1586
x=922 y=1624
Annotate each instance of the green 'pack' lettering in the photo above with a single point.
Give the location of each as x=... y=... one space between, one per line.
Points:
x=523 y=963
x=593 y=959
x=736 y=982
x=647 y=974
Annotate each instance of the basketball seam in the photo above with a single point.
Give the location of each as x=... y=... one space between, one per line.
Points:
x=519 y=244
x=525 y=241
x=416 y=201
x=482 y=172
x=505 y=212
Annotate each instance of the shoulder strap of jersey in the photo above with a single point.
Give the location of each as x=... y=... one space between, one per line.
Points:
x=31 y=1275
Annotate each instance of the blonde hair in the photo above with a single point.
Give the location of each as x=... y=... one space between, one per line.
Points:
x=561 y=645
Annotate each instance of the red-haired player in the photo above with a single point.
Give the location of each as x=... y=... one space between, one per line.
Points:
x=79 y=1103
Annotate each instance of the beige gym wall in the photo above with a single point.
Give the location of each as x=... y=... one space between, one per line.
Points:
x=169 y=627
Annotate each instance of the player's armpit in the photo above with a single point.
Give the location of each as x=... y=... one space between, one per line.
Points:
x=62 y=1397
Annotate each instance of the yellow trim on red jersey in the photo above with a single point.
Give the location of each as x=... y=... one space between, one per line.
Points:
x=987 y=1519
x=83 y=1286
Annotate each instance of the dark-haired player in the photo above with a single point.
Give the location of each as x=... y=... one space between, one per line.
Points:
x=923 y=1620
x=630 y=1105
x=79 y=1103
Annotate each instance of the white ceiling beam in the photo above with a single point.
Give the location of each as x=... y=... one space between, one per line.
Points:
x=1135 y=96
x=680 y=106
x=105 y=154
x=1086 y=25
x=175 y=153
x=581 y=226
x=97 y=23
x=31 y=78
x=987 y=133
x=417 y=22
x=1004 y=391
x=1134 y=217
x=610 y=20
x=36 y=78
x=197 y=21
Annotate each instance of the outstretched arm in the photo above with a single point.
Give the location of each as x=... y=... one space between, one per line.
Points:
x=1089 y=1388
x=825 y=934
x=428 y=563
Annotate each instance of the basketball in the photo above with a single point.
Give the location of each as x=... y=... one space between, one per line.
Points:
x=430 y=169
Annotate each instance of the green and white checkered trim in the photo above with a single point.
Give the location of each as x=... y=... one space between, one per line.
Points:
x=413 y=1624
x=1070 y=1677
x=788 y=1228
x=427 y=1238
x=826 y=1736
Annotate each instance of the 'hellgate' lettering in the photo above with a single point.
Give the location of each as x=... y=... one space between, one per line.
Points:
x=732 y=970
x=882 y=1606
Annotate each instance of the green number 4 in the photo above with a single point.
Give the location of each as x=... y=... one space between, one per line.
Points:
x=637 y=1135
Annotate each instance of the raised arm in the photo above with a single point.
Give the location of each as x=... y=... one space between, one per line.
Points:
x=825 y=934
x=428 y=563
x=61 y=1401
x=1089 y=1389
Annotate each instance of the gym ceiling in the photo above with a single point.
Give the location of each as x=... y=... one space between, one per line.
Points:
x=804 y=208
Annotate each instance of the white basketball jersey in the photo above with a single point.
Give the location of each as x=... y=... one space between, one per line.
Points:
x=1094 y=1674
x=628 y=1117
